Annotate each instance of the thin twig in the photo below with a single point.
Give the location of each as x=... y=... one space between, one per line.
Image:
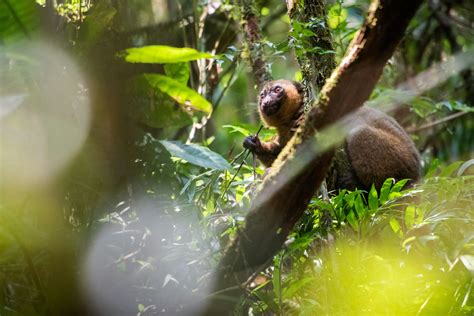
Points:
x=238 y=169
x=443 y=120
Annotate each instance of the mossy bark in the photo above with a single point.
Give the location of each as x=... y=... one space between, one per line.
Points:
x=253 y=43
x=300 y=168
x=316 y=66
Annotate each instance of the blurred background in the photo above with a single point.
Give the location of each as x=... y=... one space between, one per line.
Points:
x=116 y=164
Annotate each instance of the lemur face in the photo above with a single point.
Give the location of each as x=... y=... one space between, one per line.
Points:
x=271 y=98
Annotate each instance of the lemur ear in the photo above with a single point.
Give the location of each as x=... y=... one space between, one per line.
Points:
x=298 y=86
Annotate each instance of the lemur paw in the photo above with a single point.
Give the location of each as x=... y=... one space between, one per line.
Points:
x=252 y=143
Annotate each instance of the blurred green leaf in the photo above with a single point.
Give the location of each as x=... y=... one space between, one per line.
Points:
x=465 y=166
x=433 y=167
x=449 y=170
x=396 y=227
x=336 y=16
x=154 y=108
x=160 y=54
x=98 y=19
x=179 y=92
x=410 y=212
x=238 y=129
x=197 y=155
x=18 y=19
x=179 y=72
x=468 y=262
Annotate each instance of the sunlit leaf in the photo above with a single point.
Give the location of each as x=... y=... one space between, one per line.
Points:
x=395 y=225
x=179 y=92
x=397 y=187
x=385 y=190
x=336 y=16
x=238 y=129
x=160 y=54
x=373 y=199
x=197 y=155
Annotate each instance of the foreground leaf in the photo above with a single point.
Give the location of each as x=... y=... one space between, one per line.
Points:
x=197 y=155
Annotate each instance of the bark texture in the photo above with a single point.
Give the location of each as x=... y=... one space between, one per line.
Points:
x=315 y=66
x=253 y=43
x=298 y=171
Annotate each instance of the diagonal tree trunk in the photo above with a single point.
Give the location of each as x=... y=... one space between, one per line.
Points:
x=285 y=193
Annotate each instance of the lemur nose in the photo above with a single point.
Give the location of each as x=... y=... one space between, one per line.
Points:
x=267 y=100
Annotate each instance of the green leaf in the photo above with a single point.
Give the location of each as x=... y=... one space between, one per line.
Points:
x=160 y=54
x=18 y=19
x=410 y=212
x=433 y=167
x=448 y=171
x=361 y=210
x=276 y=279
x=385 y=190
x=336 y=16
x=179 y=92
x=154 y=108
x=351 y=218
x=397 y=187
x=395 y=225
x=295 y=286
x=373 y=199
x=238 y=129
x=179 y=72
x=197 y=155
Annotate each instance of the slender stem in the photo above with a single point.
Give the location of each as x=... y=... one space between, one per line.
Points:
x=443 y=120
x=240 y=167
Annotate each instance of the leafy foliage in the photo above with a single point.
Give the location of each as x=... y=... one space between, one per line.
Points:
x=161 y=184
x=159 y=54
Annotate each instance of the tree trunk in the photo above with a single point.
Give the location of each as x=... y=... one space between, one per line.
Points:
x=315 y=66
x=285 y=193
x=253 y=38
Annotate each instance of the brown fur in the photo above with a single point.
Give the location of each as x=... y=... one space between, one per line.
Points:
x=375 y=150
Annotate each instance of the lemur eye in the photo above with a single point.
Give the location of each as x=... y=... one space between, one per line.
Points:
x=262 y=94
x=278 y=89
